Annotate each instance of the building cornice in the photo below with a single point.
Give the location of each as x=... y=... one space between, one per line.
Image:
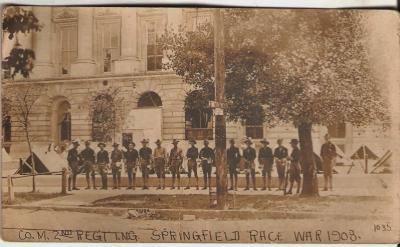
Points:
x=98 y=78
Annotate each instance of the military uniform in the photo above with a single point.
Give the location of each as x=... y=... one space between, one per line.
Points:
x=175 y=163
x=207 y=157
x=281 y=155
x=328 y=155
x=295 y=169
x=160 y=158
x=233 y=159
x=88 y=158
x=131 y=157
x=102 y=163
x=249 y=155
x=266 y=160
x=73 y=163
x=145 y=154
x=116 y=165
x=192 y=154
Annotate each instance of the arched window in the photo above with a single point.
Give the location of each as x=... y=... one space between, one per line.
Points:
x=103 y=118
x=149 y=99
x=64 y=121
x=198 y=117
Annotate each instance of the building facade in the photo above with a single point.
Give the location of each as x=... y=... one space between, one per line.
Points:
x=83 y=53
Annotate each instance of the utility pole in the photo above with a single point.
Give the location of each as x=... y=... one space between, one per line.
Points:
x=220 y=125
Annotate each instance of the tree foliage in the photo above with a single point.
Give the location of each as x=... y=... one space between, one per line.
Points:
x=298 y=65
x=105 y=114
x=191 y=56
x=17 y=20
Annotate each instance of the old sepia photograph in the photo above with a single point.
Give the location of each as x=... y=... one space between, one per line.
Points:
x=199 y=125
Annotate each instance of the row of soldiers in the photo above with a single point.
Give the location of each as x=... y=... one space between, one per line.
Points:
x=88 y=162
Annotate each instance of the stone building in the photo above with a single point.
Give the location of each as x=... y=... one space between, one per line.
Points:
x=82 y=53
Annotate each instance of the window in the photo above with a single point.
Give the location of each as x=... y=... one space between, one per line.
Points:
x=255 y=130
x=196 y=18
x=149 y=99
x=64 y=121
x=68 y=38
x=154 y=51
x=198 y=119
x=109 y=43
x=254 y=123
x=7 y=129
x=337 y=130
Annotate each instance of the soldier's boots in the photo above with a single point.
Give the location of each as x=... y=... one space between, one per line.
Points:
x=179 y=183
x=188 y=185
x=94 y=183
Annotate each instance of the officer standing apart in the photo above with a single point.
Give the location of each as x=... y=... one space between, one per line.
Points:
x=192 y=154
x=281 y=154
x=249 y=155
x=233 y=159
x=131 y=157
x=328 y=155
x=88 y=157
x=160 y=158
x=175 y=163
x=73 y=163
x=266 y=160
x=145 y=156
x=102 y=163
x=295 y=169
x=116 y=165
x=207 y=157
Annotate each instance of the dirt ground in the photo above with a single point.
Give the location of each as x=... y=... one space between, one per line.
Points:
x=369 y=205
x=24 y=197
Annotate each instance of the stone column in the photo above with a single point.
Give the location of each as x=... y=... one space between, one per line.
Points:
x=128 y=63
x=42 y=44
x=84 y=64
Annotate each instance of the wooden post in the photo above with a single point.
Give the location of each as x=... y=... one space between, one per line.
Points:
x=220 y=125
x=366 y=163
x=10 y=190
x=64 y=181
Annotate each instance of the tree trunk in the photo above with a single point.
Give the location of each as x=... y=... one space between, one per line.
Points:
x=310 y=181
x=28 y=140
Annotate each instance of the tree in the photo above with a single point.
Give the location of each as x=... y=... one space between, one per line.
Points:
x=22 y=98
x=17 y=20
x=300 y=66
x=323 y=77
x=106 y=114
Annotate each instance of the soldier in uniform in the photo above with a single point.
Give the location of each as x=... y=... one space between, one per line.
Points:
x=102 y=163
x=295 y=168
x=192 y=154
x=328 y=155
x=116 y=165
x=207 y=157
x=249 y=155
x=281 y=155
x=88 y=157
x=175 y=163
x=266 y=160
x=160 y=158
x=145 y=157
x=131 y=157
x=73 y=163
x=233 y=158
